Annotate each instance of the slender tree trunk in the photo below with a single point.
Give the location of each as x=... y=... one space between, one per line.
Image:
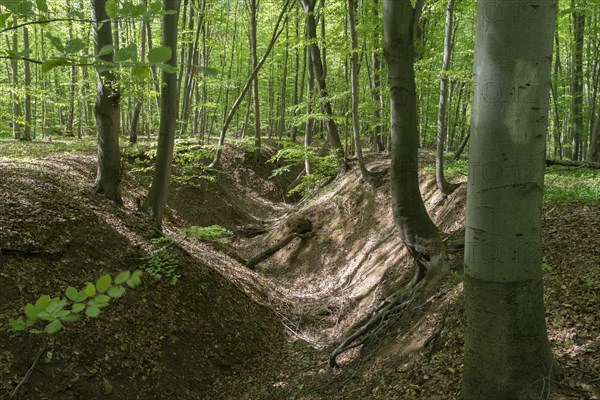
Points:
x=319 y=71
x=253 y=6
x=443 y=185
x=282 y=94
x=27 y=85
x=310 y=122
x=155 y=203
x=577 y=82
x=594 y=153
x=417 y=231
x=376 y=137
x=16 y=102
x=133 y=136
x=276 y=32
x=108 y=177
x=507 y=353
x=366 y=174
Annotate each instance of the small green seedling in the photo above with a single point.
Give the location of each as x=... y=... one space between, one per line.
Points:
x=49 y=314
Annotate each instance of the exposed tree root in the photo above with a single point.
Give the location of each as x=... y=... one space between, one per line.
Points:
x=391 y=307
x=571 y=163
x=27 y=374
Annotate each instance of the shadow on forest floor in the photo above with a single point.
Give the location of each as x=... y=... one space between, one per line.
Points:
x=225 y=332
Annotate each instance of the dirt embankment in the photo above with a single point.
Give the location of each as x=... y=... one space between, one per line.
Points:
x=228 y=332
x=199 y=339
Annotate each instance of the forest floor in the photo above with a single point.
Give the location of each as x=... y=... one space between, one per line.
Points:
x=213 y=329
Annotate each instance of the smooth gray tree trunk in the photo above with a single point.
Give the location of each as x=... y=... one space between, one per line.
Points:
x=27 y=84
x=443 y=185
x=106 y=110
x=366 y=174
x=319 y=70
x=507 y=353
x=155 y=203
x=417 y=231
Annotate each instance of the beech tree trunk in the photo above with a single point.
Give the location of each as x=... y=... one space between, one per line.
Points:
x=16 y=102
x=366 y=174
x=106 y=110
x=319 y=72
x=253 y=6
x=155 y=203
x=507 y=353
x=594 y=153
x=577 y=82
x=443 y=185
x=27 y=85
x=417 y=231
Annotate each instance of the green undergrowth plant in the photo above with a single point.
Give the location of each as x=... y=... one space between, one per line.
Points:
x=163 y=263
x=190 y=160
x=40 y=148
x=291 y=155
x=49 y=314
x=563 y=184
x=212 y=233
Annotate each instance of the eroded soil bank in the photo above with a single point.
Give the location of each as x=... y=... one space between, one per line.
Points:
x=226 y=332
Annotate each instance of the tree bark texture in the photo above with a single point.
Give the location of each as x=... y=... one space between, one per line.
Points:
x=507 y=353
x=106 y=110
x=155 y=203
x=417 y=231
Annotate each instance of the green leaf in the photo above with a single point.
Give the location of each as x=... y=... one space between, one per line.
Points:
x=46 y=316
x=35 y=331
x=122 y=277
x=70 y=318
x=159 y=54
x=135 y=279
x=141 y=73
x=127 y=53
x=42 y=302
x=61 y=313
x=17 y=324
x=208 y=70
x=167 y=68
x=42 y=5
x=53 y=327
x=81 y=296
x=74 y=45
x=78 y=307
x=106 y=49
x=51 y=63
x=3 y=18
x=30 y=311
x=93 y=303
x=72 y=293
x=20 y=7
x=56 y=42
x=112 y=10
x=90 y=289
x=102 y=298
x=103 y=283
x=116 y=291
x=92 y=312
x=53 y=306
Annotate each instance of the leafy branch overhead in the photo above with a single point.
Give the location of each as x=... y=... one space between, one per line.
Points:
x=48 y=314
